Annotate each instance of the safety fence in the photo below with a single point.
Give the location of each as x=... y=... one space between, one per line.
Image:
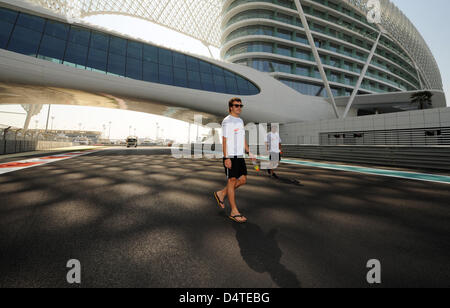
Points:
x=430 y=157
x=414 y=137
x=19 y=141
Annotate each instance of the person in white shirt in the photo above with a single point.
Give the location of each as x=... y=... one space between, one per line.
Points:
x=273 y=146
x=234 y=149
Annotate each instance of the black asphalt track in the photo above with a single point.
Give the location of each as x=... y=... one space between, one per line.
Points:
x=140 y=218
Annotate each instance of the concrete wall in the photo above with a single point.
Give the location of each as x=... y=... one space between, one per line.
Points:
x=308 y=132
x=49 y=145
x=434 y=158
x=23 y=146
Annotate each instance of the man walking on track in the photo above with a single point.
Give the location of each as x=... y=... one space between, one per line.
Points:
x=234 y=144
x=273 y=146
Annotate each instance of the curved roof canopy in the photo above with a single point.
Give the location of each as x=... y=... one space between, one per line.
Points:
x=200 y=19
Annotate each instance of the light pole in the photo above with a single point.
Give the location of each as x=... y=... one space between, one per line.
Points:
x=196 y=140
x=189 y=134
x=48 y=117
x=157 y=131
x=53 y=118
x=109 y=134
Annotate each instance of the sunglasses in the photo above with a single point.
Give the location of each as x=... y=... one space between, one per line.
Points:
x=238 y=106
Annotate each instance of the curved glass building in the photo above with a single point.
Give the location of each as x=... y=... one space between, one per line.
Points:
x=101 y=52
x=269 y=36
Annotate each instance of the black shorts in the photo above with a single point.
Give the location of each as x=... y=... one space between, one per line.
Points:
x=238 y=168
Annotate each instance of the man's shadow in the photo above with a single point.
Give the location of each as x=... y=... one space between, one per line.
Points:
x=262 y=254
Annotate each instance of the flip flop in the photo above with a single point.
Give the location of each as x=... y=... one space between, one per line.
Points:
x=233 y=218
x=220 y=203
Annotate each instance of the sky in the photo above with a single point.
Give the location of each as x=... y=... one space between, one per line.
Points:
x=430 y=18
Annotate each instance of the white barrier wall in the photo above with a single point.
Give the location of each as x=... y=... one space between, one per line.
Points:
x=307 y=133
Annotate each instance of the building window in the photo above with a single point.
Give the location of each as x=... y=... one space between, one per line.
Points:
x=101 y=52
x=284 y=51
x=25 y=41
x=52 y=49
x=284 y=34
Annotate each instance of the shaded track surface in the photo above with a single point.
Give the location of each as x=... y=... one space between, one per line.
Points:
x=140 y=218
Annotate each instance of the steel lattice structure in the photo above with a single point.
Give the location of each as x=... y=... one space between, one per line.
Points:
x=200 y=19
x=400 y=28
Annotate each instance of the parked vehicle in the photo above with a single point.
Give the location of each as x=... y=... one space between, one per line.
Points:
x=132 y=142
x=81 y=141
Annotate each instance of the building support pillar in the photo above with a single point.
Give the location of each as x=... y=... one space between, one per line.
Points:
x=361 y=77
x=316 y=55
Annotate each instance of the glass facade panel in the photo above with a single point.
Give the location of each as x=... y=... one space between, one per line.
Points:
x=301 y=39
x=165 y=57
x=284 y=51
x=57 y=29
x=99 y=41
x=8 y=15
x=150 y=53
x=150 y=72
x=97 y=60
x=79 y=36
x=261 y=65
x=34 y=23
x=302 y=70
x=25 y=41
x=284 y=34
x=305 y=88
x=303 y=54
x=242 y=85
x=134 y=69
x=118 y=46
x=116 y=64
x=93 y=50
x=5 y=33
x=134 y=50
x=166 y=74
x=250 y=30
x=284 y=18
x=207 y=82
x=192 y=64
x=205 y=67
x=219 y=82
x=76 y=55
x=231 y=85
x=179 y=60
x=52 y=49
x=250 y=15
x=252 y=88
x=217 y=70
x=194 y=80
x=180 y=77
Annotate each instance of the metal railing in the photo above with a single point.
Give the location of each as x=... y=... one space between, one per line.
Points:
x=403 y=137
x=426 y=158
x=18 y=141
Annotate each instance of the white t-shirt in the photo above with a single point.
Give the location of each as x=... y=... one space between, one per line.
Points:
x=273 y=139
x=233 y=129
